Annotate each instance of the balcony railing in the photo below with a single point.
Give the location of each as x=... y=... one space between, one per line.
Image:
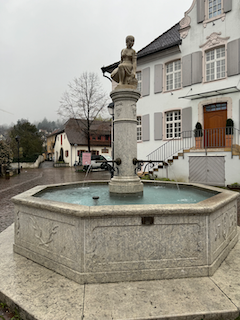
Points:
x=208 y=139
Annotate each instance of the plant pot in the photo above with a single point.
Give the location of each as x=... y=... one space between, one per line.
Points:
x=228 y=141
x=198 y=142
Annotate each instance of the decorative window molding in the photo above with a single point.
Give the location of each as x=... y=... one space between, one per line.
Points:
x=214 y=40
x=214 y=57
x=173 y=124
x=139 y=128
x=173 y=75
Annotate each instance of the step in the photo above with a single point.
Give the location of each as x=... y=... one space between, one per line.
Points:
x=41 y=294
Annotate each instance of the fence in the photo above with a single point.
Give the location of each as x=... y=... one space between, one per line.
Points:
x=204 y=139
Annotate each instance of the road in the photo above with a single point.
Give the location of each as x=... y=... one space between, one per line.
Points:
x=29 y=178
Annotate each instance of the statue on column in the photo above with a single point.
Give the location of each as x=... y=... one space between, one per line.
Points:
x=125 y=73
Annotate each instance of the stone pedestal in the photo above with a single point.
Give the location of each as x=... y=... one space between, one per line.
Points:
x=125 y=142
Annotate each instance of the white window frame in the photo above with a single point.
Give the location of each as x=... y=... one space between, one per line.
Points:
x=139 y=79
x=216 y=17
x=214 y=64
x=172 y=134
x=216 y=7
x=139 y=128
x=174 y=72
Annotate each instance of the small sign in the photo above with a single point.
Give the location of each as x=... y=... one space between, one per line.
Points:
x=86 y=158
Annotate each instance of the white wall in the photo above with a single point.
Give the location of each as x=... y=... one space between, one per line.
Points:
x=72 y=150
x=28 y=165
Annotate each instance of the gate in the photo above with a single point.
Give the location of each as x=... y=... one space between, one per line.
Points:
x=207 y=170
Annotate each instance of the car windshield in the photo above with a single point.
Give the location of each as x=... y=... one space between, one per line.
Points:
x=108 y=158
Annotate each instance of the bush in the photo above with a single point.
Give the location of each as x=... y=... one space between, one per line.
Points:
x=229 y=126
x=198 y=132
x=32 y=158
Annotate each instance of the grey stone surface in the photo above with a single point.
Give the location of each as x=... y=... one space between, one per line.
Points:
x=227 y=277
x=37 y=291
x=41 y=294
x=125 y=146
x=166 y=299
x=110 y=244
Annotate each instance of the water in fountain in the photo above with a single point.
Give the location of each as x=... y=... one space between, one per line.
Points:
x=92 y=195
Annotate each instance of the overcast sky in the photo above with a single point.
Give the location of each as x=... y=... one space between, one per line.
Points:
x=44 y=44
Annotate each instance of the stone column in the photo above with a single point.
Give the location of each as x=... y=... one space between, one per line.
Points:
x=125 y=142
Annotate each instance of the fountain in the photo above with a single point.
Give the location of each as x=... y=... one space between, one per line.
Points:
x=127 y=242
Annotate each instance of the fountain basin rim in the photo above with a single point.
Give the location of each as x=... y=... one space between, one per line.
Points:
x=201 y=208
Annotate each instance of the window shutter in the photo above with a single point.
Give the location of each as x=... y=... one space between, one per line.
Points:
x=146 y=82
x=145 y=128
x=197 y=67
x=158 y=126
x=187 y=70
x=158 y=78
x=187 y=121
x=227 y=5
x=233 y=58
x=200 y=11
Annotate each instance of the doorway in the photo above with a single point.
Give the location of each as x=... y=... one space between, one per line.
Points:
x=215 y=116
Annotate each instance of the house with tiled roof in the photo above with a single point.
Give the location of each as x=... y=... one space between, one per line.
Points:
x=72 y=140
x=189 y=111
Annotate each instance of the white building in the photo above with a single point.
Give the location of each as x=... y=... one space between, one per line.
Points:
x=71 y=141
x=191 y=74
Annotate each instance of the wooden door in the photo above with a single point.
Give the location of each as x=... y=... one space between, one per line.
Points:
x=215 y=116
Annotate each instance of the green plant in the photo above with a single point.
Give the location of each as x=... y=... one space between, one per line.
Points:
x=16 y=316
x=3 y=305
x=229 y=126
x=198 y=132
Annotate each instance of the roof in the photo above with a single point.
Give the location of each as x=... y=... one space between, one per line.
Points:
x=75 y=134
x=167 y=40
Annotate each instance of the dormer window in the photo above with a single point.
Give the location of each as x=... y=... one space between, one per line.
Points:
x=211 y=10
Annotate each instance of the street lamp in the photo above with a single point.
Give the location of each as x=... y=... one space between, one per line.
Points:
x=17 y=139
x=111 y=112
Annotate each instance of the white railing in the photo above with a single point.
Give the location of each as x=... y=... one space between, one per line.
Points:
x=204 y=139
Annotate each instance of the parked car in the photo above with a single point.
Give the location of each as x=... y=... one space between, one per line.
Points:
x=99 y=165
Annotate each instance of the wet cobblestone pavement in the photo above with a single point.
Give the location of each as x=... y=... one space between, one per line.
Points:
x=29 y=178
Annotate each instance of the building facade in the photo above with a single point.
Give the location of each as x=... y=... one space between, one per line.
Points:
x=189 y=75
x=71 y=141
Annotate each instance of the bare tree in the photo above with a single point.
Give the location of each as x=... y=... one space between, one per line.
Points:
x=84 y=100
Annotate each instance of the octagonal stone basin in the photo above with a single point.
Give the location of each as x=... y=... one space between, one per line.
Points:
x=96 y=244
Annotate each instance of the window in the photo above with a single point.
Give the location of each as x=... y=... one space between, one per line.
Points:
x=139 y=79
x=214 y=8
x=173 y=75
x=173 y=124
x=215 y=64
x=139 y=128
x=66 y=153
x=215 y=107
